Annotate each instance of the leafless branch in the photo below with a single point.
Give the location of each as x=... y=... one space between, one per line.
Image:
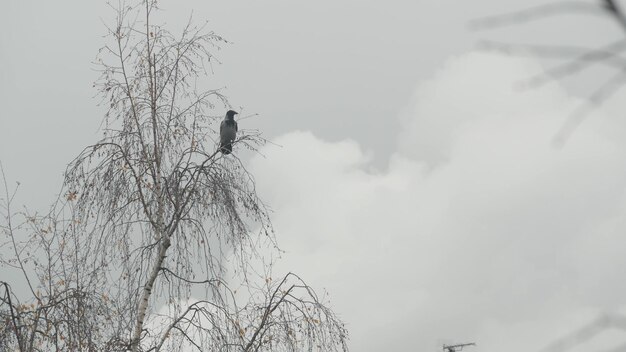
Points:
x=577 y=59
x=534 y=13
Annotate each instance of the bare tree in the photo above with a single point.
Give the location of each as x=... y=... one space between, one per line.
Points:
x=52 y=311
x=151 y=213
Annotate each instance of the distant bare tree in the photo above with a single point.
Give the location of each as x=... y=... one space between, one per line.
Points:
x=151 y=212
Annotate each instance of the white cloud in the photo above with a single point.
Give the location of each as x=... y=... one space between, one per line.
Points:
x=478 y=229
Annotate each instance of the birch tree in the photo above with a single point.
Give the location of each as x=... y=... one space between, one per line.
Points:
x=153 y=215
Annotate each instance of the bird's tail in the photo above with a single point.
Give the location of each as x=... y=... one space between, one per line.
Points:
x=226 y=148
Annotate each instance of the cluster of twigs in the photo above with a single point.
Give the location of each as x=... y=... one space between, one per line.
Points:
x=575 y=59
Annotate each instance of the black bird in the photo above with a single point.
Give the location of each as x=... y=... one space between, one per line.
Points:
x=228 y=132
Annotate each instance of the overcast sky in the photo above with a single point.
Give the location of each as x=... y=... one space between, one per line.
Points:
x=413 y=182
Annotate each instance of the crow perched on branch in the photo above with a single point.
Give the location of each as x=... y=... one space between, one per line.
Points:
x=228 y=132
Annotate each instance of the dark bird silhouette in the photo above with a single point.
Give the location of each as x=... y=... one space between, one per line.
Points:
x=228 y=132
